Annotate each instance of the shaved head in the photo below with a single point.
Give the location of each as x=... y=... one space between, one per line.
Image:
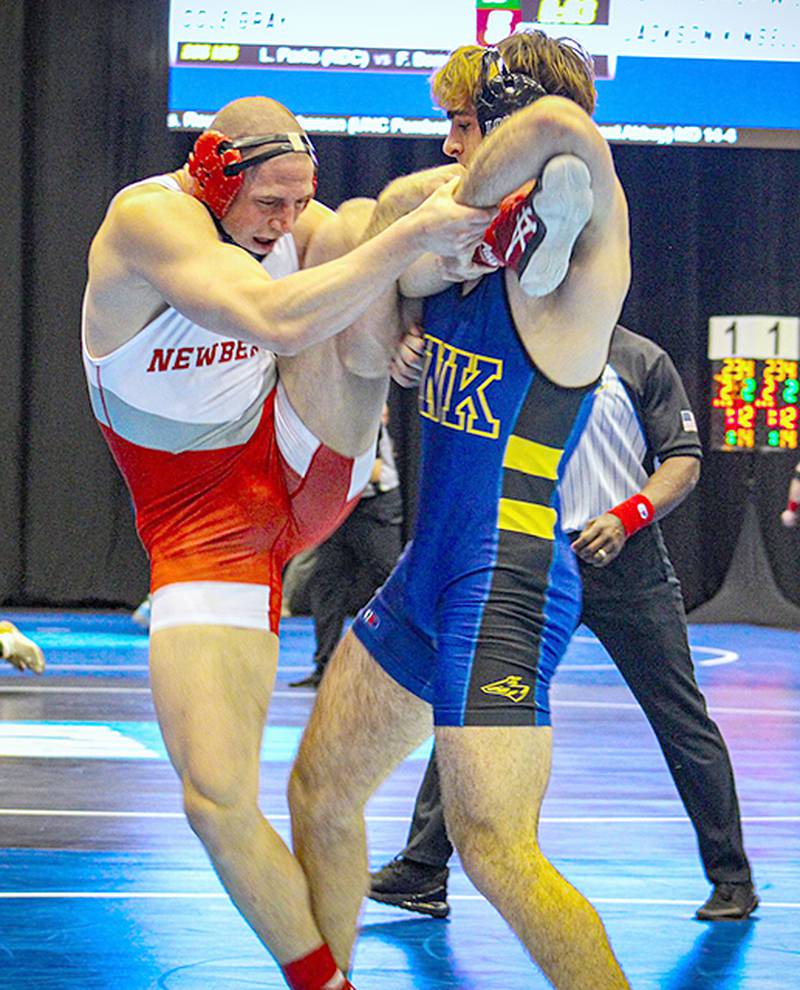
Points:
x=253 y=115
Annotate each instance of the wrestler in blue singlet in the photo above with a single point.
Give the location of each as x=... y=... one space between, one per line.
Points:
x=479 y=610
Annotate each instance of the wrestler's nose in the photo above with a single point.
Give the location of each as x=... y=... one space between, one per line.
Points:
x=453 y=147
x=283 y=221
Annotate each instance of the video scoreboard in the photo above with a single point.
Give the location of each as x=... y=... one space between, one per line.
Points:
x=687 y=72
x=755 y=400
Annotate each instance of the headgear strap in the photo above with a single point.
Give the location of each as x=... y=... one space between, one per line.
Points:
x=504 y=93
x=216 y=163
x=282 y=144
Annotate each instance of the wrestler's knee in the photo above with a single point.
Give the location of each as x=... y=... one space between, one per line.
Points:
x=490 y=849
x=319 y=814
x=219 y=809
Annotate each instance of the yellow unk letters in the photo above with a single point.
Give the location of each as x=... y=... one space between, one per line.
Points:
x=453 y=390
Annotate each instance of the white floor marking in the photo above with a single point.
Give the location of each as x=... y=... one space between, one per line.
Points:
x=716 y=709
x=70 y=741
x=546 y=819
x=30 y=688
x=719 y=656
x=121 y=895
x=89 y=667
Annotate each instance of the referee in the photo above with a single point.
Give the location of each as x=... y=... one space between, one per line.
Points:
x=638 y=457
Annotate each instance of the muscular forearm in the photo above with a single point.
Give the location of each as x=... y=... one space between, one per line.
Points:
x=669 y=485
x=168 y=244
x=310 y=306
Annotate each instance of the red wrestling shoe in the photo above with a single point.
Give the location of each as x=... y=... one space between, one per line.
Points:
x=316 y=971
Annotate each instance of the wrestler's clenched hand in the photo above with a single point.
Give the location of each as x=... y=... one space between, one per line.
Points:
x=447 y=227
x=407 y=360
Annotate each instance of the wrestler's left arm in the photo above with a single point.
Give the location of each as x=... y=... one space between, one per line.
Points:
x=512 y=155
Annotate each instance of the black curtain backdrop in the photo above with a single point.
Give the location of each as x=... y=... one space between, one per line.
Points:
x=713 y=231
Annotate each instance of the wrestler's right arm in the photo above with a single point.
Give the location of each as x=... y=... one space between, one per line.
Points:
x=153 y=237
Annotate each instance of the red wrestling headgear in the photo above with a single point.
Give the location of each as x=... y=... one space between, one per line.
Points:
x=216 y=164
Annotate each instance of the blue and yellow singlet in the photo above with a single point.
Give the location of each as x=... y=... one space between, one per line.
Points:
x=480 y=608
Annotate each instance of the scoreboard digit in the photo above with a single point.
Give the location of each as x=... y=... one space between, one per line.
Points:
x=755 y=390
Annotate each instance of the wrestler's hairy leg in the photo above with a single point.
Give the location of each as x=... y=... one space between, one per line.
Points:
x=493 y=782
x=338 y=388
x=362 y=725
x=211 y=687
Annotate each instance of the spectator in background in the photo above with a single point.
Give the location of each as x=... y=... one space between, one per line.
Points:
x=369 y=541
x=789 y=514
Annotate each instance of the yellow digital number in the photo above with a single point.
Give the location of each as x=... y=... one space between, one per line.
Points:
x=567 y=12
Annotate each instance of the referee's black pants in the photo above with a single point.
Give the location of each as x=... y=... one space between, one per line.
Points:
x=635 y=608
x=367 y=545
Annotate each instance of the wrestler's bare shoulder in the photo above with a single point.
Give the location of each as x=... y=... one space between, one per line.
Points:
x=146 y=209
x=120 y=297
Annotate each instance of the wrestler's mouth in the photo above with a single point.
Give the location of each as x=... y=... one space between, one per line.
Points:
x=265 y=244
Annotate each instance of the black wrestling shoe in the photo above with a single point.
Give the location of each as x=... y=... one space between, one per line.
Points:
x=729 y=902
x=312 y=681
x=411 y=886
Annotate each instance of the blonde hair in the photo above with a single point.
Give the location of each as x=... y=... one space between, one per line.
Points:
x=456 y=85
x=560 y=65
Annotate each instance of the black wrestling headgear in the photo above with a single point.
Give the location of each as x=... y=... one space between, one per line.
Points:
x=503 y=94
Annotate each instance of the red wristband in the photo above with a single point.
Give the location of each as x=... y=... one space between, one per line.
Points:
x=792 y=506
x=635 y=513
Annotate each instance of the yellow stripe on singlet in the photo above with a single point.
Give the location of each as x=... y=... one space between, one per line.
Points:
x=532 y=458
x=525 y=517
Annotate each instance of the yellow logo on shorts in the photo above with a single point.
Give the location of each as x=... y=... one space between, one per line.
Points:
x=510 y=687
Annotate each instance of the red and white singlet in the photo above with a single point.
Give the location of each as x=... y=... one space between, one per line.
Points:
x=226 y=480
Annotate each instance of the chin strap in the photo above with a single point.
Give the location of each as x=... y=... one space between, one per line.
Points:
x=226 y=237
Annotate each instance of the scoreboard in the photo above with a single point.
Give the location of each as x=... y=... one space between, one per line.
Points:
x=721 y=73
x=755 y=395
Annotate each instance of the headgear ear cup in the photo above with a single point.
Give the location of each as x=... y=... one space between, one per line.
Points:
x=212 y=153
x=217 y=166
x=504 y=93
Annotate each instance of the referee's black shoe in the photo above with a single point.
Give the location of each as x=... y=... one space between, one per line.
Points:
x=411 y=886
x=729 y=902
x=312 y=681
